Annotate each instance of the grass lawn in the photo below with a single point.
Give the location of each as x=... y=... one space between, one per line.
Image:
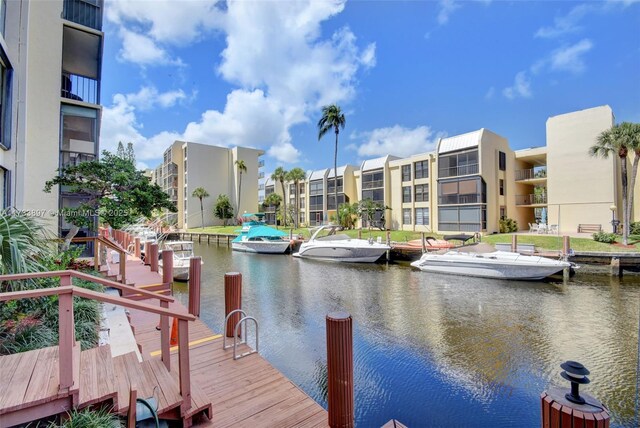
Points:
x=555 y=242
x=540 y=241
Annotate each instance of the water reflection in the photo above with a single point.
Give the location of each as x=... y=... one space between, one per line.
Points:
x=432 y=349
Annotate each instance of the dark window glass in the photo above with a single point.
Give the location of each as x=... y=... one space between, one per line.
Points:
x=406 y=172
x=5 y=102
x=501 y=187
x=422 y=193
x=421 y=169
x=422 y=216
x=406 y=216
x=502 y=160
x=406 y=194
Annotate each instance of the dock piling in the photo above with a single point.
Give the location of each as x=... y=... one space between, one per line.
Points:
x=232 y=300
x=340 y=369
x=195 y=270
x=616 y=267
x=146 y=253
x=167 y=266
x=153 y=257
x=136 y=250
x=514 y=243
x=359 y=233
x=424 y=242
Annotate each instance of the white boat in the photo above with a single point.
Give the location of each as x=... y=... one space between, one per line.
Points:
x=256 y=237
x=494 y=264
x=340 y=247
x=182 y=254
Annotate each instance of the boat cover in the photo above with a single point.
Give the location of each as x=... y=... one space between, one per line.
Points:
x=264 y=231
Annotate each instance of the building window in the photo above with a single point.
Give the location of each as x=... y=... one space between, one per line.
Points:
x=503 y=213
x=5 y=102
x=463 y=163
x=406 y=216
x=502 y=161
x=422 y=216
x=501 y=187
x=462 y=219
x=5 y=187
x=3 y=13
x=373 y=186
x=406 y=194
x=406 y=172
x=462 y=191
x=421 y=169
x=422 y=193
x=315 y=187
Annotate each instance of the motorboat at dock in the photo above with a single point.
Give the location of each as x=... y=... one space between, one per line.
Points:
x=325 y=244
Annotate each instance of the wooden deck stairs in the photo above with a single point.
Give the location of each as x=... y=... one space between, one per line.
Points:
x=29 y=386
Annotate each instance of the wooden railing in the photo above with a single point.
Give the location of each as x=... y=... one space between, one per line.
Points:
x=99 y=240
x=66 y=329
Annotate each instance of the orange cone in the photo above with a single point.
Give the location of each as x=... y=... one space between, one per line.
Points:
x=174 y=333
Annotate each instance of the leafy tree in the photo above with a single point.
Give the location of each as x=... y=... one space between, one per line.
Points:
x=242 y=167
x=348 y=215
x=367 y=210
x=223 y=209
x=272 y=200
x=296 y=175
x=200 y=193
x=332 y=118
x=619 y=140
x=112 y=189
x=280 y=175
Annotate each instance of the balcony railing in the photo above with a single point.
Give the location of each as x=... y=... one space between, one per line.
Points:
x=530 y=174
x=260 y=175
x=80 y=88
x=473 y=198
x=378 y=184
x=260 y=163
x=531 y=199
x=330 y=190
x=459 y=170
x=84 y=12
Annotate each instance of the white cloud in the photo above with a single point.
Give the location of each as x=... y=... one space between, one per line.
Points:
x=142 y=50
x=490 y=93
x=521 y=87
x=569 y=58
x=396 y=140
x=447 y=7
x=566 y=24
x=274 y=52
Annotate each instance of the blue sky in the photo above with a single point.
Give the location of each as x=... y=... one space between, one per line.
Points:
x=256 y=74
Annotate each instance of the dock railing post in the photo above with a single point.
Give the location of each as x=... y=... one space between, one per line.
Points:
x=195 y=267
x=66 y=335
x=424 y=243
x=164 y=337
x=146 y=253
x=359 y=233
x=232 y=300
x=340 y=369
x=566 y=246
x=153 y=257
x=514 y=243
x=137 y=249
x=167 y=266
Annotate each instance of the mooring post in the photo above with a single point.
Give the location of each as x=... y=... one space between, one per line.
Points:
x=340 y=369
x=514 y=243
x=153 y=257
x=136 y=250
x=424 y=242
x=616 y=267
x=566 y=249
x=232 y=300
x=167 y=266
x=359 y=233
x=195 y=268
x=147 y=256
x=570 y=407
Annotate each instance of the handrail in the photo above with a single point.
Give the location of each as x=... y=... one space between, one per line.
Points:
x=122 y=253
x=87 y=277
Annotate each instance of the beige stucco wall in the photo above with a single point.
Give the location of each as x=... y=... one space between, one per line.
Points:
x=249 y=192
x=396 y=185
x=581 y=188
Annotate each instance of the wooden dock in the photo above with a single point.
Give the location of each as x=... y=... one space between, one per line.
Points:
x=246 y=392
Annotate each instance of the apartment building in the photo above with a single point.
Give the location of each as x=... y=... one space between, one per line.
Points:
x=373 y=181
x=48 y=120
x=187 y=166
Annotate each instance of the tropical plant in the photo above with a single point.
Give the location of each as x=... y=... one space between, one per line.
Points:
x=635 y=228
x=280 y=175
x=508 y=225
x=223 y=209
x=618 y=140
x=296 y=175
x=607 y=238
x=200 y=193
x=115 y=191
x=348 y=215
x=332 y=119
x=242 y=167
x=23 y=243
x=367 y=210
x=89 y=418
x=272 y=200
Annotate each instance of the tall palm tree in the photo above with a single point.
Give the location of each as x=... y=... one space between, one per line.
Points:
x=200 y=193
x=633 y=131
x=297 y=175
x=273 y=199
x=332 y=118
x=242 y=167
x=619 y=140
x=280 y=175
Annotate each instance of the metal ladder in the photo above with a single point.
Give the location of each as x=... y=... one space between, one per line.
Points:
x=243 y=338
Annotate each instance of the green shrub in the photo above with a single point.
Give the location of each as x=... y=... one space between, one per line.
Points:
x=89 y=419
x=508 y=225
x=634 y=228
x=23 y=335
x=607 y=238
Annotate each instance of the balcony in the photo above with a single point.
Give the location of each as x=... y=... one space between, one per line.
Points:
x=456 y=171
x=81 y=59
x=531 y=174
x=260 y=163
x=260 y=175
x=473 y=198
x=84 y=12
x=377 y=184
x=532 y=199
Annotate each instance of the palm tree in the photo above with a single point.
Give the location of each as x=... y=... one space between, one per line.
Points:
x=242 y=167
x=332 y=118
x=280 y=175
x=200 y=193
x=633 y=129
x=273 y=199
x=619 y=139
x=297 y=175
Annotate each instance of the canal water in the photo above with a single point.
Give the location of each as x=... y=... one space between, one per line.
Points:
x=436 y=350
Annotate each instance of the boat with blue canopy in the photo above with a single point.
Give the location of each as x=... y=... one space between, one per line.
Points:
x=256 y=237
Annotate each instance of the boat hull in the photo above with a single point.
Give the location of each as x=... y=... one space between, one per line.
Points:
x=342 y=253
x=261 y=247
x=531 y=268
